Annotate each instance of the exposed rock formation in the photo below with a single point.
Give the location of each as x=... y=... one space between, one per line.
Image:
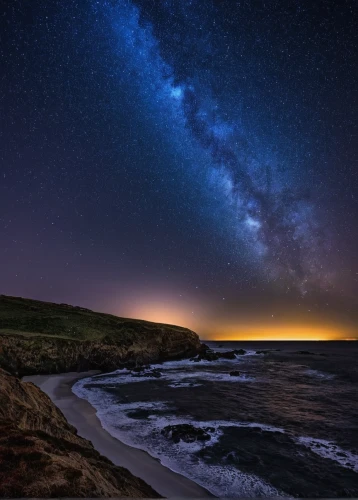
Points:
x=207 y=354
x=187 y=433
x=41 y=454
x=40 y=337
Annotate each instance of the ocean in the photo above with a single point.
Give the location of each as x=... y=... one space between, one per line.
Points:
x=285 y=423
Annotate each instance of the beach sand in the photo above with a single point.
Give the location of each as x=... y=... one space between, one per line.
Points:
x=83 y=416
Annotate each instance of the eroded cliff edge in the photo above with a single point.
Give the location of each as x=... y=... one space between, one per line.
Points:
x=43 y=338
x=41 y=454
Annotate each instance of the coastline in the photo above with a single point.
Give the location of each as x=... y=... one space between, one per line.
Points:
x=82 y=415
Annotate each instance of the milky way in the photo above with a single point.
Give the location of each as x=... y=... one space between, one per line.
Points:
x=268 y=209
x=187 y=161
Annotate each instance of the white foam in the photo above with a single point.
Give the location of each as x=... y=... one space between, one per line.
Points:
x=230 y=482
x=328 y=449
x=146 y=434
x=173 y=372
x=319 y=374
x=177 y=385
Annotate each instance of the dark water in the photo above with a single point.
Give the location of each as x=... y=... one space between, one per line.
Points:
x=287 y=425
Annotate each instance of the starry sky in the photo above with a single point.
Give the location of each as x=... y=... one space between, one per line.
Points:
x=185 y=161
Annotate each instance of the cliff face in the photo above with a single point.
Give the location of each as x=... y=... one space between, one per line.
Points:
x=39 y=337
x=42 y=456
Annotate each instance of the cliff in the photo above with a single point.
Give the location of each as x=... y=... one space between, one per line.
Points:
x=41 y=454
x=41 y=337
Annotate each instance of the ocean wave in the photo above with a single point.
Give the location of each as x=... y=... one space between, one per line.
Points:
x=178 y=373
x=178 y=385
x=139 y=424
x=318 y=374
x=328 y=449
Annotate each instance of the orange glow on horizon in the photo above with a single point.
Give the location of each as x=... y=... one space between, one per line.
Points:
x=167 y=312
x=282 y=332
x=193 y=315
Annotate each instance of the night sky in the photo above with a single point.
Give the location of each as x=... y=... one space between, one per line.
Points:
x=184 y=161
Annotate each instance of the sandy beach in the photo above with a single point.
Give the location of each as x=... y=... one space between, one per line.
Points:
x=83 y=416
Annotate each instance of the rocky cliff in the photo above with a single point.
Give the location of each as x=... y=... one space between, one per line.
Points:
x=40 y=337
x=41 y=454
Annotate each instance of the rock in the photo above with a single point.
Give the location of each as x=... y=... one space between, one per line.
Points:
x=41 y=454
x=235 y=373
x=240 y=352
x=187 y=433
x=155 y=373
x=227 y=355
x=138 y=369
x=211 y=356
x=305 y=352
x=208 y=355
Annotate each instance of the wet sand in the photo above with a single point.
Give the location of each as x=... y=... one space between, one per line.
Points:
x=83 y=416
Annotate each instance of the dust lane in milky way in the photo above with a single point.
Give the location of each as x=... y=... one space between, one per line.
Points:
x=268 y=209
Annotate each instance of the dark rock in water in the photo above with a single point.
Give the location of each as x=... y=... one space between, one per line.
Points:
x=208 y=355
x=240 y=352
x=138 y=369
x=196 y=359
x=155 y=373
x=305 y=352
x=187 y=433
x=235 y=373
x=277 y=459
x=227 y=355
x=204 y=348
x=221 y=345
x=211 y=356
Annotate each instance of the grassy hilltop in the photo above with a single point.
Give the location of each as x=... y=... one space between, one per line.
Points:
x=34 y=317
x=43 y=337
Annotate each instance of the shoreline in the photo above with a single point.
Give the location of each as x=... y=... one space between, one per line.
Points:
x=82 y=415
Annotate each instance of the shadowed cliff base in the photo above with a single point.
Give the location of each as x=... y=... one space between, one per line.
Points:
x=41 y=454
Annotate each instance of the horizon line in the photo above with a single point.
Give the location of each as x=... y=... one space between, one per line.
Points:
x=281 y=340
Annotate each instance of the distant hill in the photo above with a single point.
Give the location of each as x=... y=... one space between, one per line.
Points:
x=43 y=337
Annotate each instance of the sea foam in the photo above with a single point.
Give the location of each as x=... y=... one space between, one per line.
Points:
x=145 y=433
